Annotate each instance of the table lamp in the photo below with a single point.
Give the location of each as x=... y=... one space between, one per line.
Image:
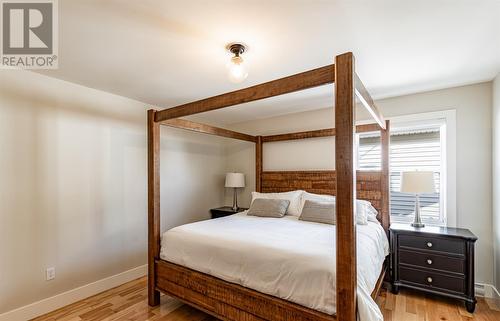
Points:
x=235 y=180
x=417 y=182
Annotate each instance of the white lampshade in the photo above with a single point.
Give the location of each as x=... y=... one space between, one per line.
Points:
x=235 y=180
x=417 y=182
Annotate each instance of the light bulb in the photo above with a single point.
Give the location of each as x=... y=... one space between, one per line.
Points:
x=237 y=71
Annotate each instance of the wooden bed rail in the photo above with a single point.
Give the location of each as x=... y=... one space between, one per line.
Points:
x=367 y=101
x=305 y=80
x=207 y=129
x=222 y=132
x=327 y=132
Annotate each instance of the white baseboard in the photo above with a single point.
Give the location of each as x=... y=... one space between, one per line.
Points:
x=485 y=290
x=60 y=300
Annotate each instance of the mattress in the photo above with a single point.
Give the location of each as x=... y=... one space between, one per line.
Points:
x=284 y=257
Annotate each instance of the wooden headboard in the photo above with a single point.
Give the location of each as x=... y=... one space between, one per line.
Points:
x=372 y=186
x=369 y=185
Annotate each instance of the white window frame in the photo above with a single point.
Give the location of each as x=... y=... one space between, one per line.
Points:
x=448 y=160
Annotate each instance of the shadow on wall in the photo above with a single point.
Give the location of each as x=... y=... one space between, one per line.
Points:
x=69 y=199
x=192 y=169
x=240 y=157
x=73 y=187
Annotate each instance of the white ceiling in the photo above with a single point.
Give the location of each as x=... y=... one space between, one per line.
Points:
x=166 y=53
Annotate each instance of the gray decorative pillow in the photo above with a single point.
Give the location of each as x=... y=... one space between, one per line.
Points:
x=319 y=212
x=268 y=207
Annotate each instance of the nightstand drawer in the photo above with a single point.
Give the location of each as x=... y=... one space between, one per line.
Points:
x=432 y=280
x=433 y=244
x=433 y=261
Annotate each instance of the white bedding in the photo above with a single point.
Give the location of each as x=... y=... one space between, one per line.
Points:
x=283 y=257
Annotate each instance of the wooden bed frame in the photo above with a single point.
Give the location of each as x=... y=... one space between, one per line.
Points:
x=228 y=301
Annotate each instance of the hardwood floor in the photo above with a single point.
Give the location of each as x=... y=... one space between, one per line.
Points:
x=129 y=302
x=414 y=306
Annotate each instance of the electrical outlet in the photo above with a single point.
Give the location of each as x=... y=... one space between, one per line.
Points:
x=50 y=273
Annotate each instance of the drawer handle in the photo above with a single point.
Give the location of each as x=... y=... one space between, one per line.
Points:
x=429 y=244
x=429 y=261
x=429 y=279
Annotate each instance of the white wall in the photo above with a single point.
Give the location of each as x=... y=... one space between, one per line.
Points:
x=316 y=153
x=496 y=179
x=73 y=184
x=473 y=113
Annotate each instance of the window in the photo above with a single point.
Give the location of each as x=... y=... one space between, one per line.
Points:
x=414 y=146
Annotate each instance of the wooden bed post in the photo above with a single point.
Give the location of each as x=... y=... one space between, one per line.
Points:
x=153 y=205
x=258 y=164
x=346 y=186
x=385 y=137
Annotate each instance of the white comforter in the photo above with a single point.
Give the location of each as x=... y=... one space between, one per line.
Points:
x=283 y=257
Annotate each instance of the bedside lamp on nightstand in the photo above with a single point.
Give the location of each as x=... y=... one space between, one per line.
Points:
x=235 y=180
x=417 y=182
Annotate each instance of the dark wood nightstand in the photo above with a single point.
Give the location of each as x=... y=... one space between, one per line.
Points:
x=225 y=211
x=436 y=260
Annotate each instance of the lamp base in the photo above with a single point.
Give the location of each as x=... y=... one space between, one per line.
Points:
x=417 y=224
x=235 y=200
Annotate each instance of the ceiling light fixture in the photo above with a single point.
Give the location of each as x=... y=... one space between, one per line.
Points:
x=237 y=70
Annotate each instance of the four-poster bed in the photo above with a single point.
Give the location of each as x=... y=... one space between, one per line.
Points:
x=229 y=301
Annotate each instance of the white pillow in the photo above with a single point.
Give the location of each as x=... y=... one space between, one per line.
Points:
x=294 y=197
x=367 y=208
x=364 y=210
x=306 y=196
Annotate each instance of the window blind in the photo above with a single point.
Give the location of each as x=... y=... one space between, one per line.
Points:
x=410 y=150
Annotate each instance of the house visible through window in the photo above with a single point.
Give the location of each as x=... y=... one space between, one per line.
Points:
x=413 y=147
